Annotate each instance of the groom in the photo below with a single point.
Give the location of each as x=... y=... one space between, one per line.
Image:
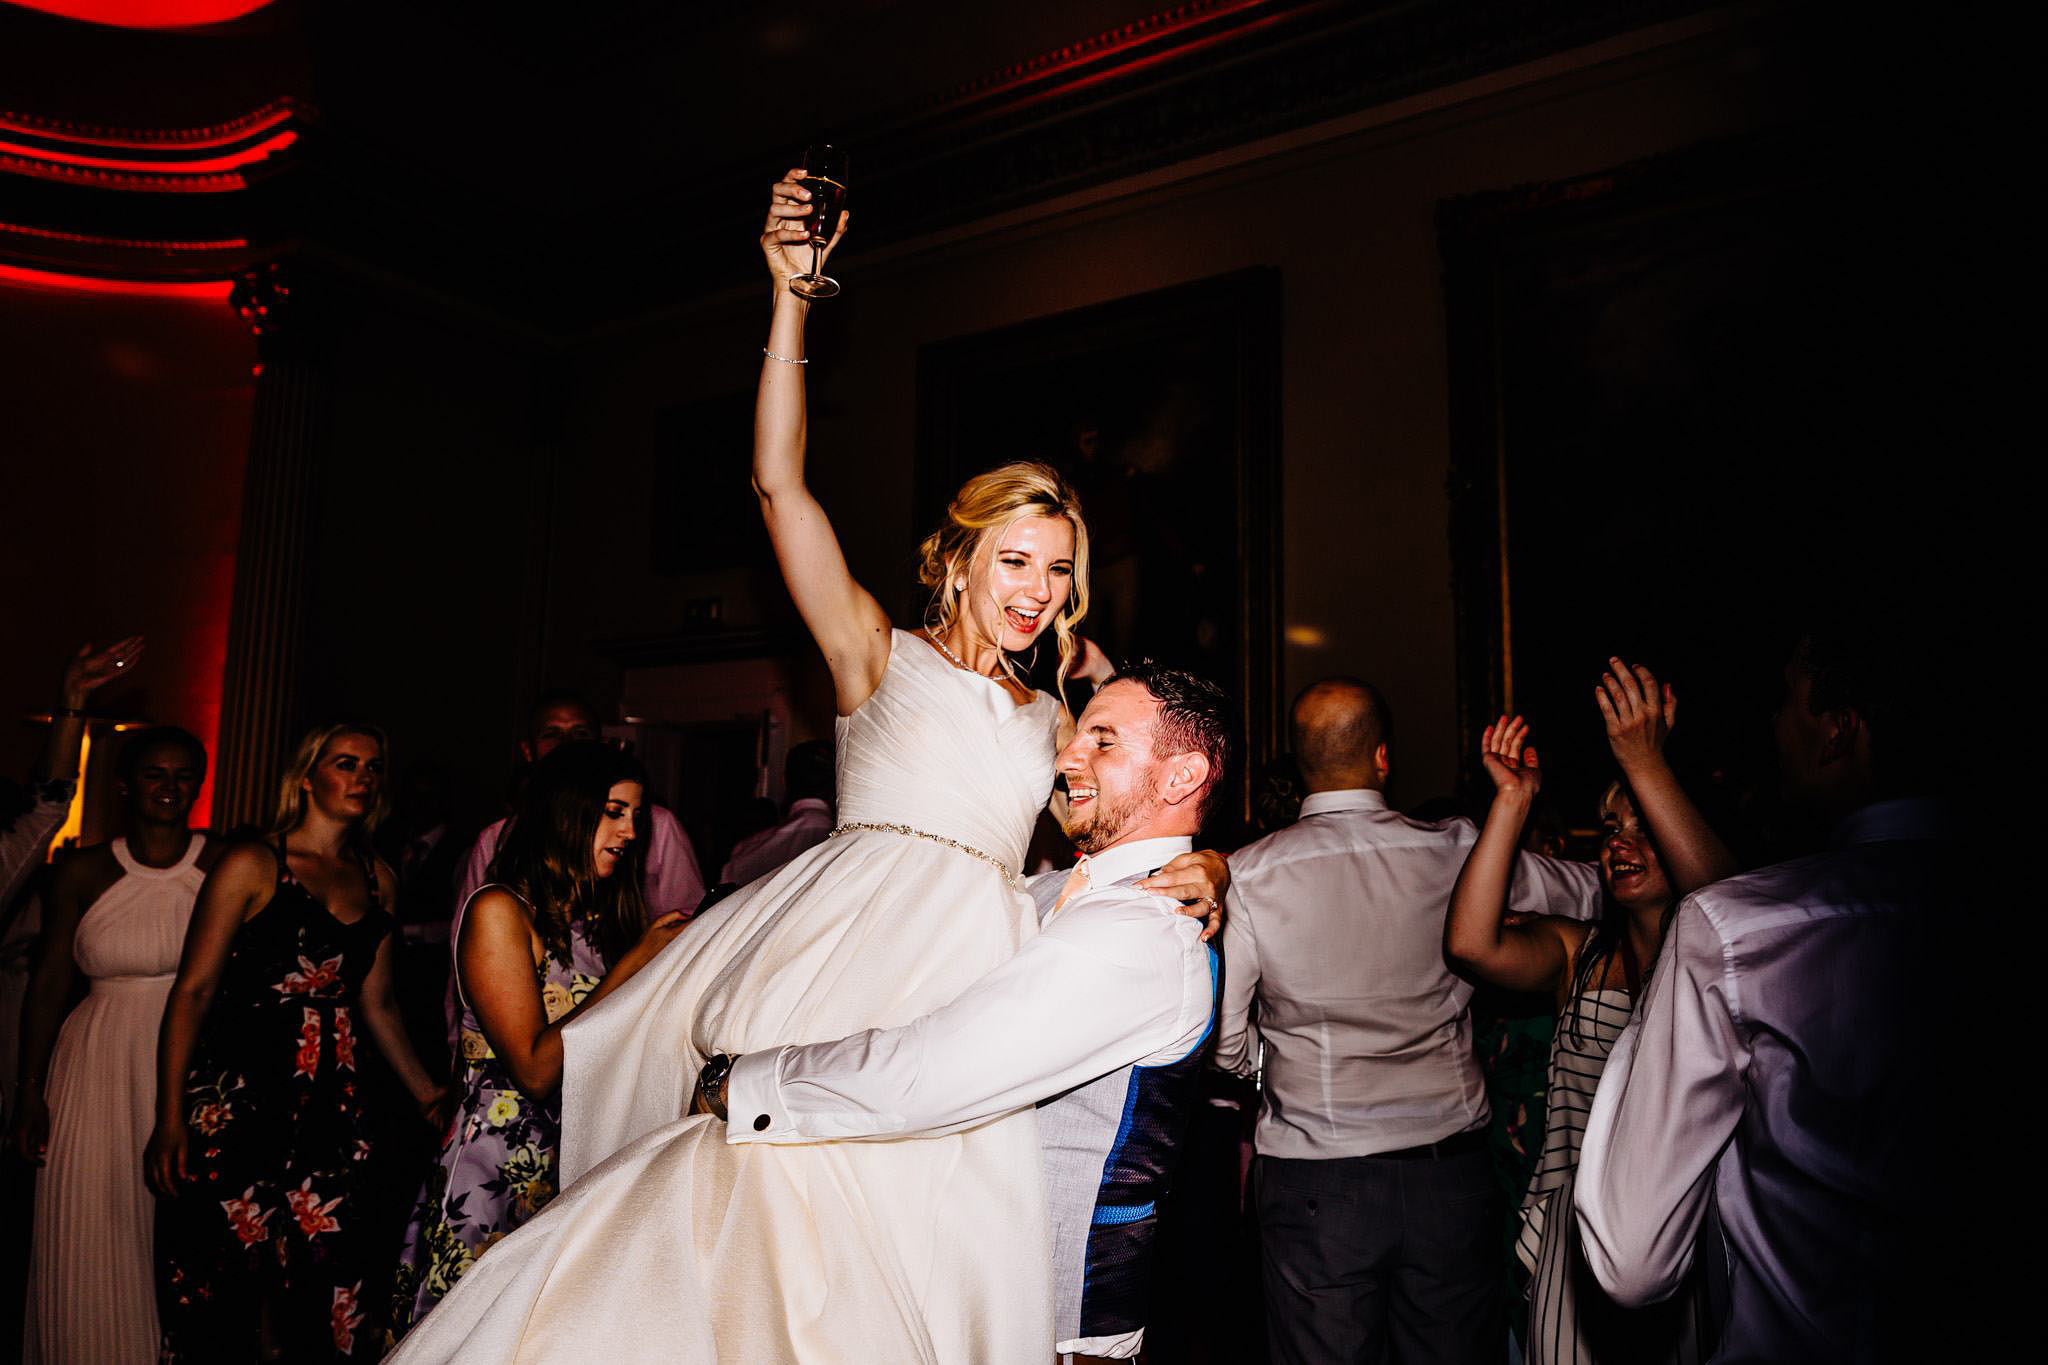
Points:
x=1099 y=1020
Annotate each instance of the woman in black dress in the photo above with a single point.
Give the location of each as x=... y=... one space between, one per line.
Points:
x=265 y=1246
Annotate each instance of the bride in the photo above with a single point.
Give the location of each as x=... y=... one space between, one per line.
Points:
x=671 y=1245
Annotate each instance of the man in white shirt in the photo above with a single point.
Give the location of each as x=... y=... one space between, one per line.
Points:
x=1774 y=1065
x=673 y=881
x=807 y=777
x=1373 y=1185
x=1101 y=1018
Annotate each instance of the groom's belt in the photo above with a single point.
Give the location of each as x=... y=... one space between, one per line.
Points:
x=882 y=827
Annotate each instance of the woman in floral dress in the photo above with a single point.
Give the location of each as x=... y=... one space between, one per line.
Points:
x=261 y=1142
x=532 y=946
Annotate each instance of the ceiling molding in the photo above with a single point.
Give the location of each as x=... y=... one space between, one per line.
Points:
x=1188 y=82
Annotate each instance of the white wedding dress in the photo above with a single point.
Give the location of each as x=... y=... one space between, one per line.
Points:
x=666 y=1244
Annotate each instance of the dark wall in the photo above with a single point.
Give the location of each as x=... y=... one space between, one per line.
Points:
x=1346 y=213
x=430 y=532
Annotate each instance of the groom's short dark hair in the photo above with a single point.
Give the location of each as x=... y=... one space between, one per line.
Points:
x=1194 y=718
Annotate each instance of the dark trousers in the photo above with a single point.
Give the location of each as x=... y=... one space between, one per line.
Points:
x=1371 y=1259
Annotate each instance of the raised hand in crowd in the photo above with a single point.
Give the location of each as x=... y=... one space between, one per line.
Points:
x=786 y=236
x=86 y=673
x=1639 y=712
x=1518 y=952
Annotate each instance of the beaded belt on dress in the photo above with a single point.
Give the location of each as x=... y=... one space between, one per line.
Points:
x=853 y=826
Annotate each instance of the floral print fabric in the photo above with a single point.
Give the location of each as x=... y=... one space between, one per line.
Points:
x=279 y=1146
x=497 y=1164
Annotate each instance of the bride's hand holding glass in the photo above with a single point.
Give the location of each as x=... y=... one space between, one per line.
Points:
x=786 y=237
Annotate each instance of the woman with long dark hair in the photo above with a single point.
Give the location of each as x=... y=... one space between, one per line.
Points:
x=262 y=1146
x=559 y=925
x=1655 y=847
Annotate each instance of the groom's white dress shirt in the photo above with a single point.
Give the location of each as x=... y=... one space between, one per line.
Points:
x=1768 y=1069
x=1115 y=977
x=1117 y=980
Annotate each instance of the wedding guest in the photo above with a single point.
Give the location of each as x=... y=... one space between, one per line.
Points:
x=1276 y=794
x=418 y=845
x=808 y=779
x=1593 y=972
x=117 y=914
x=559 y=925
x=672 y=881
x=1372 y=1180
x=26 y=828
x=1777 y=1064
x=262 y=1141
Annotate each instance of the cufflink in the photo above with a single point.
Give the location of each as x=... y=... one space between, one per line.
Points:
x=760 y=1123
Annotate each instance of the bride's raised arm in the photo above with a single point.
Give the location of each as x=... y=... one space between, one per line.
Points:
x=843 y=617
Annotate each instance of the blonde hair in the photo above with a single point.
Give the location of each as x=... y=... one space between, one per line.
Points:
x=291 y=793
x=986 y=506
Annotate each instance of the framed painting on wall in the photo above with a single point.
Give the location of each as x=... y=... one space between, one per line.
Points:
x=1651 y=395
x=1162 y=409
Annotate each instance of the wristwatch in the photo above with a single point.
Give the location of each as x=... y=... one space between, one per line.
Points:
x=711 y=1080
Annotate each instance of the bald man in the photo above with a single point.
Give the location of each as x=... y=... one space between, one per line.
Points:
x=1373 y=1185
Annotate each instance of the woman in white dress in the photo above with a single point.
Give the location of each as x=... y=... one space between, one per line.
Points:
x=118 y=914
x=674 y=1246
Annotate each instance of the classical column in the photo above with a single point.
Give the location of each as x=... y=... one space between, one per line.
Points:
x=261 y=696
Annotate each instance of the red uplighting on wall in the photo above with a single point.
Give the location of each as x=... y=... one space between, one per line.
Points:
x=147 y=13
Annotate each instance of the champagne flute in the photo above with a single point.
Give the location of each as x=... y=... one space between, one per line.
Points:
x=825 y=178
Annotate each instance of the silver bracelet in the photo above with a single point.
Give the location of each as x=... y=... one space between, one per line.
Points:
x=783 y=358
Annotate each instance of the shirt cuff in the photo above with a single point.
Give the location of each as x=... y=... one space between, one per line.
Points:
x=1123 y=1347
x=754 y=1111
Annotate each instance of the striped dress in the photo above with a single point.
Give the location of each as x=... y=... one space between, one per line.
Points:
x=1571 y=1321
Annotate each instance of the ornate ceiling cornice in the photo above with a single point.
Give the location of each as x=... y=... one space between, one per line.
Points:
x=1191 y=80
x=205 y=202
x=142 y=204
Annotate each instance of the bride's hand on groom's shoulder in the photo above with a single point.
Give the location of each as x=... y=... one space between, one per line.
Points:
x=1197 y=880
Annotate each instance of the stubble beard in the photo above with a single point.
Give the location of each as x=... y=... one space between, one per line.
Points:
x=1106 y=823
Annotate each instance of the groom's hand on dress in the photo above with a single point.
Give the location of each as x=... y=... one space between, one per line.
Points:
x=1197 y=880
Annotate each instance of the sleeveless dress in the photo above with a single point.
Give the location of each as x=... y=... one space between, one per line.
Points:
x=1571 y=1320
x=92 y=1282
x=671 y=1245
x=497 y=1165
x=280 y=1146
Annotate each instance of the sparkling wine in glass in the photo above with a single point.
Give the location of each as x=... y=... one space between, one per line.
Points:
x=825 y=178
